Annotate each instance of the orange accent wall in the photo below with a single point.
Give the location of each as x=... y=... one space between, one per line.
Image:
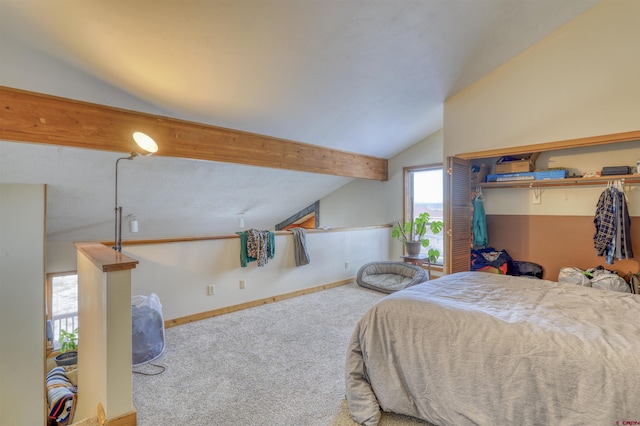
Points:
x=307 y=224
x=556 y=241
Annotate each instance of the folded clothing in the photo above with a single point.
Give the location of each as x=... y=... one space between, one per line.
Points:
x=60 y=395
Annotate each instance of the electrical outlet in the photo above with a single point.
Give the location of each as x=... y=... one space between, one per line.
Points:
x=211 y=289
x=242 y=284
x=346 y=264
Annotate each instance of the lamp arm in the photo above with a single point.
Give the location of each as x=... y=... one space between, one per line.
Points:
x=149 y=146
x=117 y=241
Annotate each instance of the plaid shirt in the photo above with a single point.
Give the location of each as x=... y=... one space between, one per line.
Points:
x=604 y=221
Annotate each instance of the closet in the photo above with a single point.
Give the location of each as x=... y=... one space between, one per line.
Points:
x=531 y=227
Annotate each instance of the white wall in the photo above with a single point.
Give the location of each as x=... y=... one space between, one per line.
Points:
x=580 y=81
x=61 y=256
x=104 y=355
x=366 y=202
x=22 y=305
x=179 y=273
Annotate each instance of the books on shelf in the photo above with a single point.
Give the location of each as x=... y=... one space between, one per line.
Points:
x=514 y=177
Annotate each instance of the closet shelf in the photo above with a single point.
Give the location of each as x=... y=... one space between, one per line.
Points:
x=571 y=181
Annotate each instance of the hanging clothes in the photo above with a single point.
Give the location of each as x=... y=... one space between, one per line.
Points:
x=604 y=222
x=612 y=238
x=300 y=246
x=480 y=237
x=623 y=227
x=257 y=246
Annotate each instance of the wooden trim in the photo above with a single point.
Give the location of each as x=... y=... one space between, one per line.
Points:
x=408 y=189
x=231 y=236
x=128 y=419
x=407 y=197
x=106 y=258
x=423 y=167
x=49 y=289
x=437 y=268
x=457 y=215
x=216 y=312
x=48 y=295
x=102 y=417
x=39 y=118
x=548 y=146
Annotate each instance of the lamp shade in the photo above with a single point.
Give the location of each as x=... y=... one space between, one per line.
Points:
x=146 y=143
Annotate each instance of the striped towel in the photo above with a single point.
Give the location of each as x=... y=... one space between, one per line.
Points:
x=300 y=246
x=60 y=395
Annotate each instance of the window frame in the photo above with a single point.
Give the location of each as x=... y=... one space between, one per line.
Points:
x=408 y=190
x=49 y=291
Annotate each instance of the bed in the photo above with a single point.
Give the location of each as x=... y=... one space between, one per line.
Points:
x=475 y=348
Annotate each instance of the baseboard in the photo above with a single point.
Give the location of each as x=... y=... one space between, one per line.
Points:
x=226 y=310
x=128 y=419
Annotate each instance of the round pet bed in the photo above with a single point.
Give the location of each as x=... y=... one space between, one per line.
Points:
x=389 y=277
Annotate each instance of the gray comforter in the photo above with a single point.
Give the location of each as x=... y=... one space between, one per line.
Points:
x=474 y=348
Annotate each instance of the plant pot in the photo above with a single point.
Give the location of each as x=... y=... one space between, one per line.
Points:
x=413 y=247
x=67 y=358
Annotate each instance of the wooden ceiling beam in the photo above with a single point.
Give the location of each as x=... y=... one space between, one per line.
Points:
x=39 y=118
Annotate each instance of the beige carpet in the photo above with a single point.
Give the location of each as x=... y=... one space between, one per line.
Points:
x=388 y=419
x=279 y=364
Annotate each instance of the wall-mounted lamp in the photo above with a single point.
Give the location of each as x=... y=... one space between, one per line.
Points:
x=133 y=223
x=145 y=146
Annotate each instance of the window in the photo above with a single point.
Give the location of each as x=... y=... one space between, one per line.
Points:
x=62 y=303
x=423 y=193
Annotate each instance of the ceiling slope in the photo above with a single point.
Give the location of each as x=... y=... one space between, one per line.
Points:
x=361 y=76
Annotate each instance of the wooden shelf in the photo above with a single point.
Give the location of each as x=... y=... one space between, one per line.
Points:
x=571 y=181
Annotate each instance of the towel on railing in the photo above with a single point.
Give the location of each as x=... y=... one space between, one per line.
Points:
x=300 y=246
x=256 y=245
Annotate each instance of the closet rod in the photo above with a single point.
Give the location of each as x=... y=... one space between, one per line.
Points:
x=572 y=181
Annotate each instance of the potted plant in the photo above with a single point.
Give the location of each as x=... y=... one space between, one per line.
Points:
x=68 y=347
x=412 y=234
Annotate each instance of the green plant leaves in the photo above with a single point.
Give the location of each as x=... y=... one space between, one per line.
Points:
x=68 y=340
x=416 y=230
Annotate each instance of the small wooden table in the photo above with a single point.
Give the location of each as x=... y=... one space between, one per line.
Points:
x=418 y=260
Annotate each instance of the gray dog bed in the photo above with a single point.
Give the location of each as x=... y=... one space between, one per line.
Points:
x=389 y=277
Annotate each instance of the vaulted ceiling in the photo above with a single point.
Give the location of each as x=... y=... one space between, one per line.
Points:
x=362 y=76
